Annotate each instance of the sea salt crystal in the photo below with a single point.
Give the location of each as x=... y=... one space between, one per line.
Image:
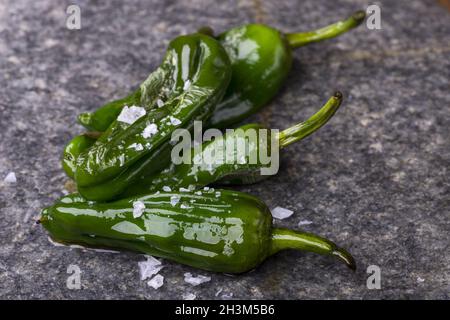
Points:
x=206 y=188
x=150 y=130
x=138 y=209
x=189 y=296
x=218 y=194
x=167 y=189
x=136 y=146
x=199 y=193
x=159 y=103
x=156 y=282
x=281 y=213
x=420 y=280
x=184 y=190
x=174 y=121
x=131 y=114
x=10 y=178
x=174 y=200
x=187 y=84
x=195 y=281
x=304 y=222
x=149 y=267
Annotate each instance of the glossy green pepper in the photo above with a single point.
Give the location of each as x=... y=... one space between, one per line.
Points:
x=222 y=231
x=261 y=58
x=192 y=175
x=200 y=68
x=74 y=148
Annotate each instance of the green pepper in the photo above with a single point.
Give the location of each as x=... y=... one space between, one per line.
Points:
x=73 y=149
x=222 y=231
x=261 y=58
x=200 y=70
x=194 y=175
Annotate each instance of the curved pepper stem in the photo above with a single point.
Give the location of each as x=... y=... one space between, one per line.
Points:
x=304 y=129
x=289 y=239
x=300 y=39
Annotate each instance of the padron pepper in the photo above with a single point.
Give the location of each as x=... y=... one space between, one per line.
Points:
x=196 y=174
x=261 y=58
x=198 y=69
x=222 y=231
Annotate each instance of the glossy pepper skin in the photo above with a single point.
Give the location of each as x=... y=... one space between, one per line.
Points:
x=73 y=149
x=196 y=175
x=261 y=58
x=222 y=231
x=200 y=72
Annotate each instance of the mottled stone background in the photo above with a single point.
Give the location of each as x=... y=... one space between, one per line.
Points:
x=375 y=179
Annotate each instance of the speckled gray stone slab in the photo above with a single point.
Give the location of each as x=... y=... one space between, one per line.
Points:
x=375 y=179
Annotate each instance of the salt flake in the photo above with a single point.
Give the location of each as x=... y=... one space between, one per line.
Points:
x=150 y=130
x=138 y=209
x=10 y=178
x=174 y=121
x=304 y=222
x=156 y=282
x=174 y=200
x=189 y=296
x=149 y=267
x=131 y=114
x=195 y=281
x=281 y=213
x=136 y=146
x=166 y=189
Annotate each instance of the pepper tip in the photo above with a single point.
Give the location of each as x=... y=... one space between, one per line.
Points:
x=338 y=95
x=359 y=16
x=345 y=257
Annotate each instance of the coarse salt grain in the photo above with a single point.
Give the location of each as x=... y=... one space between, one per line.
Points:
x=281 y=213
x=174 y=200
x=195 y=281
x=156 y=282
x=131 y=114
x=304 y=222
x=150 y=130
x=189 y=296
x=136 y=146
x=159 y=103
x=149 y=267
x=10 y=178
x=174 y=121
x=167 y=189
x=138 y=209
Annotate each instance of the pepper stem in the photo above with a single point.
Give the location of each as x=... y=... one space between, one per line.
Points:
x=300 y=39
x=304 y=129
x=289 y=239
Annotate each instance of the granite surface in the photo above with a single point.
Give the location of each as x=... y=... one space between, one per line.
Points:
x=375 y=179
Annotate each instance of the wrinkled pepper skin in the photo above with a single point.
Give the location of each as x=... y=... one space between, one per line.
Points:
x=261 y=58
x=200 y=70
x=226 y=231
x=196 y=175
